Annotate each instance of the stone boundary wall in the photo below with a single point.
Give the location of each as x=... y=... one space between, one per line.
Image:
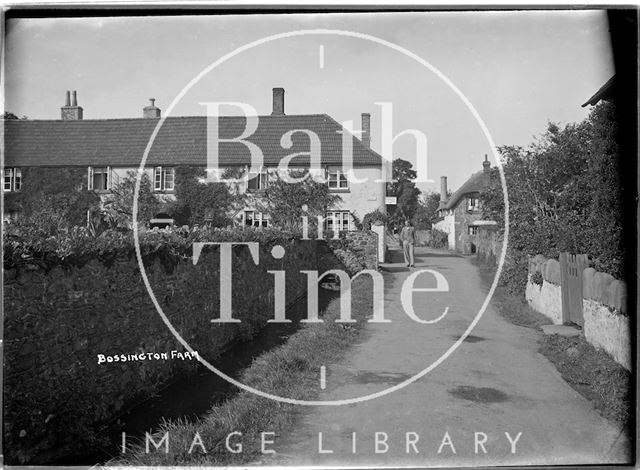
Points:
x=364 y=245
x=58 y=321
x=604 y=305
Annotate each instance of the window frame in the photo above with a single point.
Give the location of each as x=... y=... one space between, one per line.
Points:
x=262 y=219
x=472 y=203
x=340 y=177
x=160 y=178
x=343 y=214
x=91 y=172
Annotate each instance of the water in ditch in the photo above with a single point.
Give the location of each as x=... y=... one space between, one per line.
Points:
x=189 y=398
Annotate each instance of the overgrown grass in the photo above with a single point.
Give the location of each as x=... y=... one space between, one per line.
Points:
x=590 y=371
x=291 y=370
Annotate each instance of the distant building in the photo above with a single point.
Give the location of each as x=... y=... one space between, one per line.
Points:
x=460 y=215
x=110 y=148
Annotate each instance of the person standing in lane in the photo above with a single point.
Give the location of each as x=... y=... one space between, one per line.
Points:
x=408 y=239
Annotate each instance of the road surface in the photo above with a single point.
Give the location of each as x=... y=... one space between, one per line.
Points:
x=494 y=401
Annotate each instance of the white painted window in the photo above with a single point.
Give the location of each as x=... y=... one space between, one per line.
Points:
x=256 y=219
x=12 y=179
x=164 y=178
x=341 y=219
x=336 y=179
x=472 y=203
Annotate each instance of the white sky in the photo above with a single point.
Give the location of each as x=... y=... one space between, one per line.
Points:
x=518 y=69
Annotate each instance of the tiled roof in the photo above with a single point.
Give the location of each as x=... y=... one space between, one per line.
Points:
x=181 y=140
x=476 y=183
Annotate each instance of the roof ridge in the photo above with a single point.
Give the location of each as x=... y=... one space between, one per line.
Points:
x=280 y=116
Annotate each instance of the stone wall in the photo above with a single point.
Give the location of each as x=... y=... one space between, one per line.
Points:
x=364 y=245
x=58 y=320
x=606 y=324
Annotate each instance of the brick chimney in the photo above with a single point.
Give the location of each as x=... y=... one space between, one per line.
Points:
x=278 y=102
x=71 y=111
x=366 y=129
x=151 y=112
x=443 y=192
x=486 y=165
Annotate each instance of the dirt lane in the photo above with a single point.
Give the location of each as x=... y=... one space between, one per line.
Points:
x=469 y=410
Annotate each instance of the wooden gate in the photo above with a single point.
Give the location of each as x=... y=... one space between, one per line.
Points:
x=571 y=267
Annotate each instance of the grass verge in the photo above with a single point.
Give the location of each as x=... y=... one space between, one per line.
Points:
x=291 y=370
x=588 y=370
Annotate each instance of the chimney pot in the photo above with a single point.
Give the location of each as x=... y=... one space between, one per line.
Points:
x=71 y=111
x=366 y=129
x=278 y=102
x=486 y=165
x=151 y=111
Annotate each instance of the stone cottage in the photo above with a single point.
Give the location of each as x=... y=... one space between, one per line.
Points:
x=460 y=215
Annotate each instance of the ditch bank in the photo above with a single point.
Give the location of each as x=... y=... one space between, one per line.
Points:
x=64 y=314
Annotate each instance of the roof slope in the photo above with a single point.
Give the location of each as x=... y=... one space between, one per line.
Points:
x=604 y=93
x=476 y=183
x=180 y=141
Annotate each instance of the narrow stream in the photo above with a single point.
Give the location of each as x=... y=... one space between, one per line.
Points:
x=190 y=398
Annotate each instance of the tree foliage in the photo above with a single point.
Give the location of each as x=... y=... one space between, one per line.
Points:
x=283 y=201
x=52 y=199
x=117 y=211
x=427 y=211
x=199 y=202
x=564 y=194
x=405 y=191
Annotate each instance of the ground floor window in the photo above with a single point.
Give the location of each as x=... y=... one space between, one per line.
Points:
x=473 y=230
x=341 y=219
x=256 y=219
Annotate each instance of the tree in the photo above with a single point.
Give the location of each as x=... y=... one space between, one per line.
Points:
x=52 y=199
x=283 y=201
x=405 y=191
x=9 y=116
x=118 y=209
x=199 y=202
x=564 y=194
x=427 y=211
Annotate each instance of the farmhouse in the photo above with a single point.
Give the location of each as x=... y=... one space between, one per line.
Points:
x=460 y=215
x=107 y=149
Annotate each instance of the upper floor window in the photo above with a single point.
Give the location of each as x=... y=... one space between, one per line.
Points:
x=99 y=178
x=163 y=178
x=337 y=179
x=258 y=181
x=472 y=203
x=12 y=179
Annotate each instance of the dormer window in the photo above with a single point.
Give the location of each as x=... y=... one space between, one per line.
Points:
x=472 y=204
